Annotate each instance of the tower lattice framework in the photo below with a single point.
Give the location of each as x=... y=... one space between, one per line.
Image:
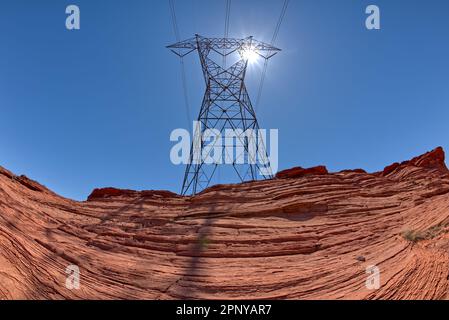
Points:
x=226 y=105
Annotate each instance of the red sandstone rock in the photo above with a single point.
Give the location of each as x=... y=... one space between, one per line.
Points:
x=389 y=169
x=431 y=160
x=301 y=172
x=353 y=171
x=311 y=237
x=98 y=194
x=109 y=192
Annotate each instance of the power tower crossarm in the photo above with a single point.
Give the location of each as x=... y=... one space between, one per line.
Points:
x=183 y=48
x=218 y=45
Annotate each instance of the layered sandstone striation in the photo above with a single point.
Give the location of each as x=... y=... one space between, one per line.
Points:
x=308 y=234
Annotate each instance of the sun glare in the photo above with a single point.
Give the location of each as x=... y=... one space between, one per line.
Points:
x=250 y=55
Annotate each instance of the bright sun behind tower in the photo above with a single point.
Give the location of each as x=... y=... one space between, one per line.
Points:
x=250 y=55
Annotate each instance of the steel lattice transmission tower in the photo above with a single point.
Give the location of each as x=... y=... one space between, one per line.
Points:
x=226 y=105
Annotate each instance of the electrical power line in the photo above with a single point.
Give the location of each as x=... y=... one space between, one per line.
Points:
x=227 y=16
x=281 y=18
x=273 y=40
x=183 y=71
x=226 y=32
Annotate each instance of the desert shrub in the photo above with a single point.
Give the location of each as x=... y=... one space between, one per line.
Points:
x=413 y=235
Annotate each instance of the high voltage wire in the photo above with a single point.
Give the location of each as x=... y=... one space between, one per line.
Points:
x=226 y=33
x=281 y=18
x=228 y=14
x=174 y=20
x=183 y=71
x=273 y=40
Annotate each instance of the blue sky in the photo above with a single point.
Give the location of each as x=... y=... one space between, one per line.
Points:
x=95 y=107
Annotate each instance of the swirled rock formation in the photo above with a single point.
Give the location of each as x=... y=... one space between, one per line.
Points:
x=308 y=234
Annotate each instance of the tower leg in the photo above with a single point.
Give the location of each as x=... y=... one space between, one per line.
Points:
x=247 y=155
